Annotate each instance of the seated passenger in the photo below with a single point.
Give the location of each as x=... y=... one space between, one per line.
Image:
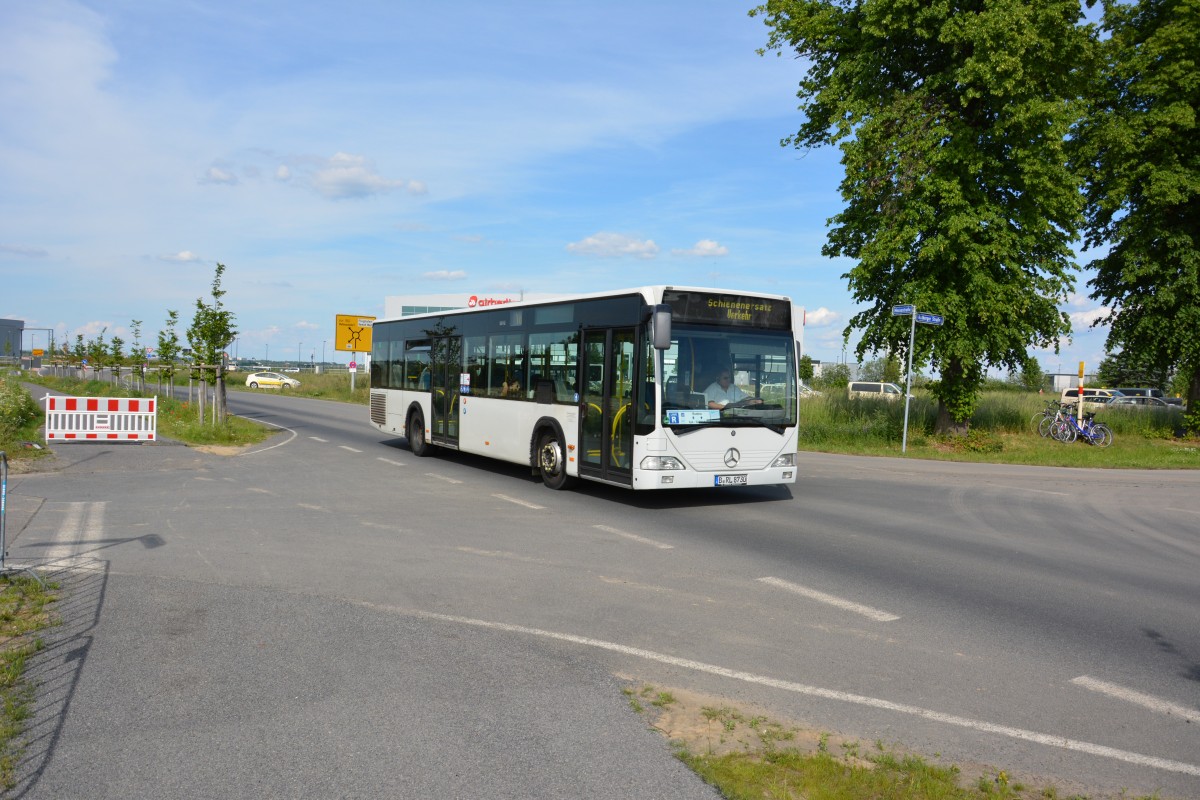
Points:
x=510 y=388
x=722 y=393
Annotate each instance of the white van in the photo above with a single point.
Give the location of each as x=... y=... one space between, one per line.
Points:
x=888 y=391
x=1092 y=398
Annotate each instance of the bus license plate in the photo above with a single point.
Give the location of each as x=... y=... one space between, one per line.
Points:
x=731 y=480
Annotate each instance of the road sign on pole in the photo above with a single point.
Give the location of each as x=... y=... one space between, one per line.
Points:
x=924 y=318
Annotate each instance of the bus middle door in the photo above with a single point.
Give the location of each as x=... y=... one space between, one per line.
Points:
x=445 y=370
x=605 y=414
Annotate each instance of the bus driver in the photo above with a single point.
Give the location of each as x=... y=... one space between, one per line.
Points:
x=722 y=392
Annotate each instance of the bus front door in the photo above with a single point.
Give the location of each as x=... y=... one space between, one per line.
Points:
x=445 y=368
x=605 y=413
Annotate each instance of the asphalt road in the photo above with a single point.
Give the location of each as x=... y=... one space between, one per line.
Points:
x=326 y=615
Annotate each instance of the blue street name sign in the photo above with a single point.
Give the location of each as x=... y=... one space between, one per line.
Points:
x=901 y=311
x=930 y=319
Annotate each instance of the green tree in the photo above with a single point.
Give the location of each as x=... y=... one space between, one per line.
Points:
x=116 y=355
x=168 y=349
x=1032 y=377
x=834 y=377
x=97 y=351
x=804 y=368
x=210 y=333
x=1140 y=154
x=1128 y=368
x=950 y=117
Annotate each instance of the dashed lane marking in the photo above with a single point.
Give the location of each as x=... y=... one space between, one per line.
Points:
x=319 y=439
x=390 y=461
x=634 y=537
x=351 y=449
x=828 y=599
x=525 y=503
x=1132 y=696
x=442 y=477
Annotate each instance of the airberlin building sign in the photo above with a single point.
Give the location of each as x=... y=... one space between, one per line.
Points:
x=475 y=301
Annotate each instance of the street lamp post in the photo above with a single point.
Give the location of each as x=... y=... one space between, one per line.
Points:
x=298 y=346
x=323 y=353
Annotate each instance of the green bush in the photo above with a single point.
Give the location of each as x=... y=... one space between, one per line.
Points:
x=17 y=408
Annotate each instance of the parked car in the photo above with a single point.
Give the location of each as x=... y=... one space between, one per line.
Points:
x=270 y=380
x=1137 y=401
x=887 y=391
x=1093 y=399
x=1149 y=391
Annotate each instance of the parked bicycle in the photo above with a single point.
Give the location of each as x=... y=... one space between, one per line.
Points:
x=1066 y=428
x=1042 y=420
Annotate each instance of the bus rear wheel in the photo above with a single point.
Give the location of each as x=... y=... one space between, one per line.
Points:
x=551 y=461
x=416 y=435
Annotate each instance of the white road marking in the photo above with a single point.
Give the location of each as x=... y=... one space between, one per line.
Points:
x=442 y=477
x=272 y=447
x=83 y=523
x=390 y=461
x=257 y=490
x=351 y=449
x=319 y=439
x=635 y=537
x=1041 y=491
x=1131 y=696
x=506 y=556
x=505 y=497
x=310 y=507
x=828 y=599
x=1184 y=510
x=1050 y=740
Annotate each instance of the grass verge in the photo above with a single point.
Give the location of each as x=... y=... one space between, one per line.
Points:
x=747 y=756
x=23 y=612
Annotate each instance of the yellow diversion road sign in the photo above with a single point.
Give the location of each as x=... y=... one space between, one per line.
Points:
x=353 y=333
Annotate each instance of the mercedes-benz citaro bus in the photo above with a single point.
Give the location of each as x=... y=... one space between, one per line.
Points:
x=647 y=388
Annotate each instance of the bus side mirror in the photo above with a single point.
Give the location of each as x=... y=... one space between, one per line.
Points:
x=660 y=327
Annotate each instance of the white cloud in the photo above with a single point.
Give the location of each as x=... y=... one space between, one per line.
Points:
x=183 y=256
x=445 y=275
x=25 y=252
x=307 y=326
x=348 y=175
x=283 y=173
x=704 y=248
x=614 y=245
x=1084 y=319
x=820 y=317
x=216 y=174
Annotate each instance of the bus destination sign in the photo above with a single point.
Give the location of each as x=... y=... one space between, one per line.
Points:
x=729 y=309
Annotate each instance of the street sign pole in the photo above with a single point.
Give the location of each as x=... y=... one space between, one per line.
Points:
x=912 y=336
x=909 y=310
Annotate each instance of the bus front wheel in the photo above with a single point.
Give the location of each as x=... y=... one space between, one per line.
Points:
x=552 y=463
x=416 y=435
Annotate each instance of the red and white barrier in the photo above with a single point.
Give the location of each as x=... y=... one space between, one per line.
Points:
x=87 y=419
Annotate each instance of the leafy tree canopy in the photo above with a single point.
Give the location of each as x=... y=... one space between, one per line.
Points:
x=1140 y=154
x=951 y=117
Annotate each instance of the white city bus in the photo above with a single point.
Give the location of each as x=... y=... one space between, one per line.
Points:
x=606 y=387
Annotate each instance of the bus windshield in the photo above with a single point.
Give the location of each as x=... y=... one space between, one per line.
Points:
x=716 y=376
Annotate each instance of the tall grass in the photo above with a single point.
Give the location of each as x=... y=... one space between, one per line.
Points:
x=1001 y=430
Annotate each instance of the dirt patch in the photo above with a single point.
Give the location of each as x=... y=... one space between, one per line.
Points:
x=712 y=725
x=221 y=449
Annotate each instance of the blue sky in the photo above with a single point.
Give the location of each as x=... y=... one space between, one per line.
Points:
x=332 y=154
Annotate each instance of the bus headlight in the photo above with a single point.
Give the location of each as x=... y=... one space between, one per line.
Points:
x=785 y=460
x=661 y=462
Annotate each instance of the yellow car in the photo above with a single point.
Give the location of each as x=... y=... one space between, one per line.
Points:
x=270 y=380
